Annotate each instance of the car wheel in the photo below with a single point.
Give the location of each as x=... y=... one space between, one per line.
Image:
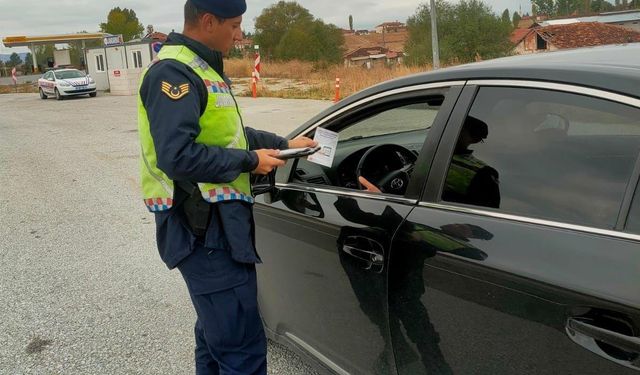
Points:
x=93 y=94
x=42 y=94
x=58 y=96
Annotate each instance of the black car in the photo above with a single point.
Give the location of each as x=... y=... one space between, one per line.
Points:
x=506 y=238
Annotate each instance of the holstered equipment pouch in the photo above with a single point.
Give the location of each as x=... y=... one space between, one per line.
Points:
x=197 y=211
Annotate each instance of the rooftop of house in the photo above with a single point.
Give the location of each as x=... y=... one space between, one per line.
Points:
x=366 y=51
x=585 y=34
x=391 y=24
x=391 y=41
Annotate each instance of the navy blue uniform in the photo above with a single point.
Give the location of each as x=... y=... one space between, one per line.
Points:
x=219 y=268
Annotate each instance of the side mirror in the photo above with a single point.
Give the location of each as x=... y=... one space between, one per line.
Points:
x=265 y=185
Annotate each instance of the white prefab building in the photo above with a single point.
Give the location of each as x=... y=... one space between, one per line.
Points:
x=118 y=68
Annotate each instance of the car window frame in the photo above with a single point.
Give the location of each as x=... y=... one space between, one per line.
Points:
x=432 y=193
x=369 y=104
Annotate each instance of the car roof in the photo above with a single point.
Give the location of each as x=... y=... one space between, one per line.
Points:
x=614 y=68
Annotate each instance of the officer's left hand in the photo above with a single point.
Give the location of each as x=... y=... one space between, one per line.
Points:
x=301 y=142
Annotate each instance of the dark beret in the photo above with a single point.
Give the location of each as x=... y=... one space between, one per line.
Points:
x=222 y=8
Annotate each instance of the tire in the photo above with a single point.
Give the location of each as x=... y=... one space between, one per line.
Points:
x=58 y=96
x=93 y=94
x=43 y=96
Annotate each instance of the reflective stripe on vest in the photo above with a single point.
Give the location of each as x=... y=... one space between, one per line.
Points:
x=462 y=170
x=220 y=125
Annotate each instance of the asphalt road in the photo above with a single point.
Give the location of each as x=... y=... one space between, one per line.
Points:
x=83 y=290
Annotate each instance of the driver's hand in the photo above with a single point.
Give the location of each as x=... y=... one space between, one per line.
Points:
x=368 y=186
x=301 y=142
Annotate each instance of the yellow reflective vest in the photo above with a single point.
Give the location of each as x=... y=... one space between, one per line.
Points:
x=220 y=125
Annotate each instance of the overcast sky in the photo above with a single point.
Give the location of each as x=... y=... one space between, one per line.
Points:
x=30 y=17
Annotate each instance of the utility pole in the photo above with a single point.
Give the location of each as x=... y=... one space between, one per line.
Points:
x=434 y=36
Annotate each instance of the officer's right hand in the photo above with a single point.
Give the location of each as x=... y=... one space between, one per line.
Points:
x=267 y=161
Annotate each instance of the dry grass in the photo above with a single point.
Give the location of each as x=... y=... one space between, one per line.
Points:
x=309 y=80
x=22 y=88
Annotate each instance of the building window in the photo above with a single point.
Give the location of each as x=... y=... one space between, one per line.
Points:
x=100 y=63
x=137 y=59
x=541 y=43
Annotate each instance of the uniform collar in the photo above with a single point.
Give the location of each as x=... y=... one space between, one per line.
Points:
x=211 y=57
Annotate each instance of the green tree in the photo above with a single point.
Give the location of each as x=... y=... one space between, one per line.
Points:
x=599 y=6
x=76 y=53
x=28 y=63
x=467 y=30
x=516 y=19
x=506 y=16
x=14 y=60
x=311 y=41
x=351 y=22
x=275 y=21
x=546 y=7
x=567 y=7
x=43 y=53
x=123 y=21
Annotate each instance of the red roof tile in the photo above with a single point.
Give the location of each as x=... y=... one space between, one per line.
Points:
x=518 y=34
x=585 y=34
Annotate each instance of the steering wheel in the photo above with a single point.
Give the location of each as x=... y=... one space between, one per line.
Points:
x=394 y=181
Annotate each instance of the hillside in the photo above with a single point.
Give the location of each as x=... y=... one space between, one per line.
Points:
x=5 y=57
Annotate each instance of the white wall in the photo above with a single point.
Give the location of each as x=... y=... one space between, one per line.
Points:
x=116 y=58
x=120 y=59
x=61 y=57
x=124 y=82
x=100 y=76
x=144 y=54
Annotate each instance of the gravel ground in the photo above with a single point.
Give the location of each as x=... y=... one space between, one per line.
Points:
x=83 y=289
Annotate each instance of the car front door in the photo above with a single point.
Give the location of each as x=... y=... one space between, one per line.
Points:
x=48 y=83
x=325 y=243
x=517 y=260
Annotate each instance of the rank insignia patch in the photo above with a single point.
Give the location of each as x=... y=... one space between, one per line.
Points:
x=175 y=92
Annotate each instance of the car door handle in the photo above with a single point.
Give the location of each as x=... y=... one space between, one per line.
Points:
x=366 y=255
x=624 y=342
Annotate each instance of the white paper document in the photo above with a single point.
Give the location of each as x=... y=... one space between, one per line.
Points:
x=328 y=141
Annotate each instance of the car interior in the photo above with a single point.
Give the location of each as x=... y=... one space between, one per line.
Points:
x=380 y=145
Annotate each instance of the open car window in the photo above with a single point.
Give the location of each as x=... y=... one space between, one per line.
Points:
x=401 y=126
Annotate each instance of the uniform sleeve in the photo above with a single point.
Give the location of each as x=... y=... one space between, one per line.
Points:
x=174 y=113
x=260 y=139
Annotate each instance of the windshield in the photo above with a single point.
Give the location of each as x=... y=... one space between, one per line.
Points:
x=68 y=74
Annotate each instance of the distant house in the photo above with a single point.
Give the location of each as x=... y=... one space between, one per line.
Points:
x=244 y=44
x=527 y=22
x=118 y=67
x=392 y=41
x=629 y=19
x=573 y=35
x=390 y=27
x=370 y=57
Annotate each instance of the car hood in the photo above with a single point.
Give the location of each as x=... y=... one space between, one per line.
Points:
x=82 y=81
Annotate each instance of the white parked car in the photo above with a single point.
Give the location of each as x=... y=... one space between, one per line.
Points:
x=62 y=83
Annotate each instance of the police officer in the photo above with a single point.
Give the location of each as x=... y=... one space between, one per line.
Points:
x=195 y=165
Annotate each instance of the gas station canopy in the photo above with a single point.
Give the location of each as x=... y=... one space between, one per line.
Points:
x=28 y=41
